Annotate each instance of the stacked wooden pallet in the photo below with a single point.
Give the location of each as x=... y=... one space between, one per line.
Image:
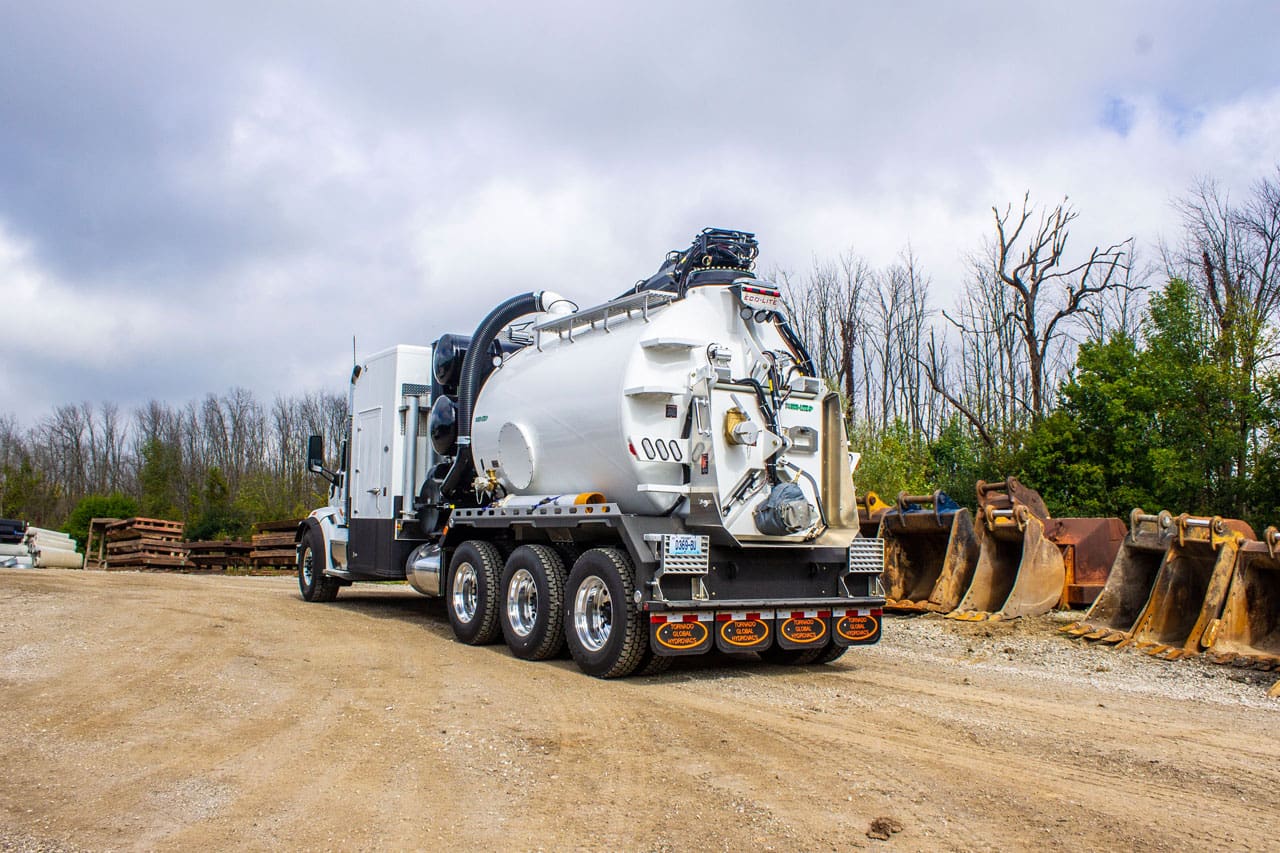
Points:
x=95 y=549
x=274 y=545
x=217 y=555
x=145 y=544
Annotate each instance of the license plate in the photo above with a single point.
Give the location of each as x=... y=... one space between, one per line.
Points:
x=683 y=545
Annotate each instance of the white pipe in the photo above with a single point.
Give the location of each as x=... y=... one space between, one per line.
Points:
x=58 y=560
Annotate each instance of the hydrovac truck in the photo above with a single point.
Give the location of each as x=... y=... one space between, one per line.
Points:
x=656 y=476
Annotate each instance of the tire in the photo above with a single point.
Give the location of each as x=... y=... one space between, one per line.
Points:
x=471 y=593
x=651 y=664
x=830 y=653
x=531 y=607
x=312 y=581
x=792 y=657
x=604 y=627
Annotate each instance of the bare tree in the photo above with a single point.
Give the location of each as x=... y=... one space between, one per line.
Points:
x=1016 y=319
x=1231 y=254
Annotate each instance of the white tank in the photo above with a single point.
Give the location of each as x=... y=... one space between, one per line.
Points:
x=601 y=403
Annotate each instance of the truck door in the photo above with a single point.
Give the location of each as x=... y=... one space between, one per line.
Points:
x=368 y=482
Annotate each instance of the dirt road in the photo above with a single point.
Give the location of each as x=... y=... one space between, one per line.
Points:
x=182 y=712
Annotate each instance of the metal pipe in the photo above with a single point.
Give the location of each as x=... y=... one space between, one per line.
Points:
x=407 y=509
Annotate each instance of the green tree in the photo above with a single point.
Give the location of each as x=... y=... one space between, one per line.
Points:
x=893 y=460
x=97 y=506
x=158 y=479
x=219 y=518
x=1153 y=427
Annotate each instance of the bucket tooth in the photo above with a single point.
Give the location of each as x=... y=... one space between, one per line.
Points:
x=1250 y=624
x=1274 y=692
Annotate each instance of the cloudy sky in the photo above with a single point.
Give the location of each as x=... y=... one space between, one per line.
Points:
x=192 y=200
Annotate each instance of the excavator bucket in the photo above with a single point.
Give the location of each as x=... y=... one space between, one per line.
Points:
x=1191 y=586
x=1128 y=586
x=1248 y=634
x=1019 y=571
x=871 y=508
x=1089 y=547
x=930 y=551
x=1031 y=563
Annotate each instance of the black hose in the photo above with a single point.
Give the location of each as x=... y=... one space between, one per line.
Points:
x=789 y=335
x=770 y=419
x=474 y=370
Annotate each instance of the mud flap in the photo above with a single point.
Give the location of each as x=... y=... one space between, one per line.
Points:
x=744 y=631
x=673 y=634
x=803 y=629
x=856 y=627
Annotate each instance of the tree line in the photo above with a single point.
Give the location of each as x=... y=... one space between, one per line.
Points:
x=219 y=464
x=1104 y=380
x=1103 y=376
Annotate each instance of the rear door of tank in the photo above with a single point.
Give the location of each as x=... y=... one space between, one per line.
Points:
x=366 y=478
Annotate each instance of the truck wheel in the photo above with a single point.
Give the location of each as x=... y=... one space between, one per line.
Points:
x=532 y=610
x=604 y=626
x=830 y=653
x=312 y=581
x=472 y=592
x=792 y=657
x=651 y=664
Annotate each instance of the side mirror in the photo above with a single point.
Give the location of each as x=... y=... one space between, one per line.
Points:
x=315 y=454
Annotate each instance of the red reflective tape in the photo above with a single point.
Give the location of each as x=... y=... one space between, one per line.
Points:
x=658 y=618
x=877 y=612
x=691 y=617
x=797 y=614
x=724 y=617
x=824 y=614
x=753 y=617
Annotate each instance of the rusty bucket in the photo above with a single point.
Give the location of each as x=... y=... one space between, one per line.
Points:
x=1191 y=586
x=1248 y=633
x=1128 y=586
x=930 y=552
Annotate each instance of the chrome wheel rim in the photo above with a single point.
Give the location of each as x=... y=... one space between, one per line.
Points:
x=307 y=567
x=522 y=602
x=592 y=614
x=466 y=592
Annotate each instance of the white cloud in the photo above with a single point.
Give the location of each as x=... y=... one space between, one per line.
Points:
x=224 y=196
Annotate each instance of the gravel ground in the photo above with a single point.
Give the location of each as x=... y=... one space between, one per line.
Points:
x=147 y=711
x=1034 y=649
